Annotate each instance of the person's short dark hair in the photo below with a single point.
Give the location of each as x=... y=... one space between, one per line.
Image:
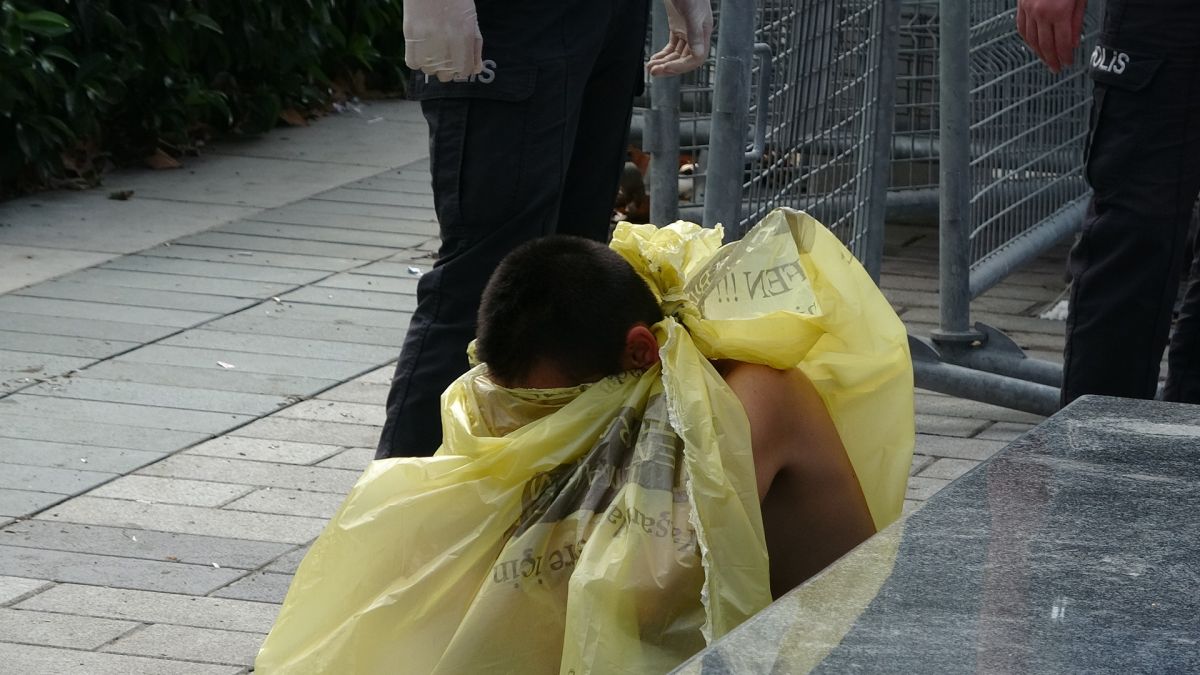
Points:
x=568 y=300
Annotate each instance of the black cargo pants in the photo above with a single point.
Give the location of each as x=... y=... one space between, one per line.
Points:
x=533 y=145
x=1143 y=164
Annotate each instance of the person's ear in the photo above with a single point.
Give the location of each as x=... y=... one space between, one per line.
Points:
x=641 y=348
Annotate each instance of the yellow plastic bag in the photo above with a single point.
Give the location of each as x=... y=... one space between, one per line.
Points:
x=612 y=527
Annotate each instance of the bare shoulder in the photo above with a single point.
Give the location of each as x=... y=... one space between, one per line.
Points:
x=789 y=424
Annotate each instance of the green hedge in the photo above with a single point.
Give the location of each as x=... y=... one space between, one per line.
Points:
x=85 y=80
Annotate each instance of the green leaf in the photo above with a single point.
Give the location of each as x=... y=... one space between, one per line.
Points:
x=47 y=24
x=205 y=21
x=60 y=53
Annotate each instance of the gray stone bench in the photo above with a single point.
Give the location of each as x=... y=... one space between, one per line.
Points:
x=1074 y=549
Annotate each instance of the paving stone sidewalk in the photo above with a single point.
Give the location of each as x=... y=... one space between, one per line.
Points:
x=179 y=419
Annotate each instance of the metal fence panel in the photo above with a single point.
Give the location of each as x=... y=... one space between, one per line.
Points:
x=825 y=110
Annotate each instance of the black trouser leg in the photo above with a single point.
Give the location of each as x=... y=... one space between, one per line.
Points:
x=1145 y=171
x=500 y=148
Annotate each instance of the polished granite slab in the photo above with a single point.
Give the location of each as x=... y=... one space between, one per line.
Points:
x=1076 y=549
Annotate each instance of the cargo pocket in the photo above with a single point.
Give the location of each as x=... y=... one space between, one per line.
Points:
x=1118 y=75
x=476 y=144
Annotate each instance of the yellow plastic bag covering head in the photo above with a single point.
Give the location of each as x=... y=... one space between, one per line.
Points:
x=612 y=527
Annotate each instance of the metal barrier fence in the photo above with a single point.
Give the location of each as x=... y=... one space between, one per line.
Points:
x=793 y=109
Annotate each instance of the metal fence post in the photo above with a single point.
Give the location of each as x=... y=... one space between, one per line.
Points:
x=955 y=173
x=661 y=137
x=876 y=154
x=731 y=104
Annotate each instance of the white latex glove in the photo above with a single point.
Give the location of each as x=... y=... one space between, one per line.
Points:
x=442 y=38
x=691 y=24
x=1051 y=28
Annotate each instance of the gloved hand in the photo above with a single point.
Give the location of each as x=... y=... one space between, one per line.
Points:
x=691 y=26
x=1051 y=28
x=442 y=38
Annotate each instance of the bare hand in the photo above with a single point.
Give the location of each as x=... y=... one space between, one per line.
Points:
x=1051 y=28
x=691 y=25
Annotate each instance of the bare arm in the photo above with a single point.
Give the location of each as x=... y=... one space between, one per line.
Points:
x=1051 y=28
x=813 y=507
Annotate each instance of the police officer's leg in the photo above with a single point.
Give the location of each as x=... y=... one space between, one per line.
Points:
x=499 y=150
x=1126 y=265
x=603 y=129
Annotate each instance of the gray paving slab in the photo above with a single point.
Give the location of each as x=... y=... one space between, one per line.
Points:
x=919 y=463
x=329 y=313
x=121 y=542
x=209 y=378
x=190 y=644
x=355 y=459
x=289 y=502
x=13 y=589
x=49 y=479
x=259 y=474
x=152 y=607
x=140 y=393
x=1004 y=431
x=76 y=309
x=102 y=570
x=336 y=208
x=184 y=283
x=341 y=297
x=324 y=263
x=924 y=488
x=297 y=214
x=354 y=195
x=249 y=362
x=60 y=630
x=237 y=180
x=316 y=233
x=280 y=346
x=125 y=414
x=242 y=242
x=59 y=345
x=919 y=299
x=261 y=450
x=960 y=448
x=288 y=562
x=21 y=266
x=357 y=391
x=69 y=289
x=382 y=135
x=20 y=503
x=88 y=220
x=389 y=182
x=337 y=411
x=82 y=328
x=232 y=271
x=155 y=490
x=73 y=456
x=95 y=433
x=942 y=425
x=33 y=365
x=948 y=468
x=332 y=433
x=39 y=659
x=391 y=268
x=370 y=282
x=381 y=375
x=186 y=519
x=263 y=324
x=259 y=586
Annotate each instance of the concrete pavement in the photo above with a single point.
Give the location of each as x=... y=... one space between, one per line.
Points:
x=190 y=380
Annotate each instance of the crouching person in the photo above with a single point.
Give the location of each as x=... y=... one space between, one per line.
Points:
x=658 y=439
